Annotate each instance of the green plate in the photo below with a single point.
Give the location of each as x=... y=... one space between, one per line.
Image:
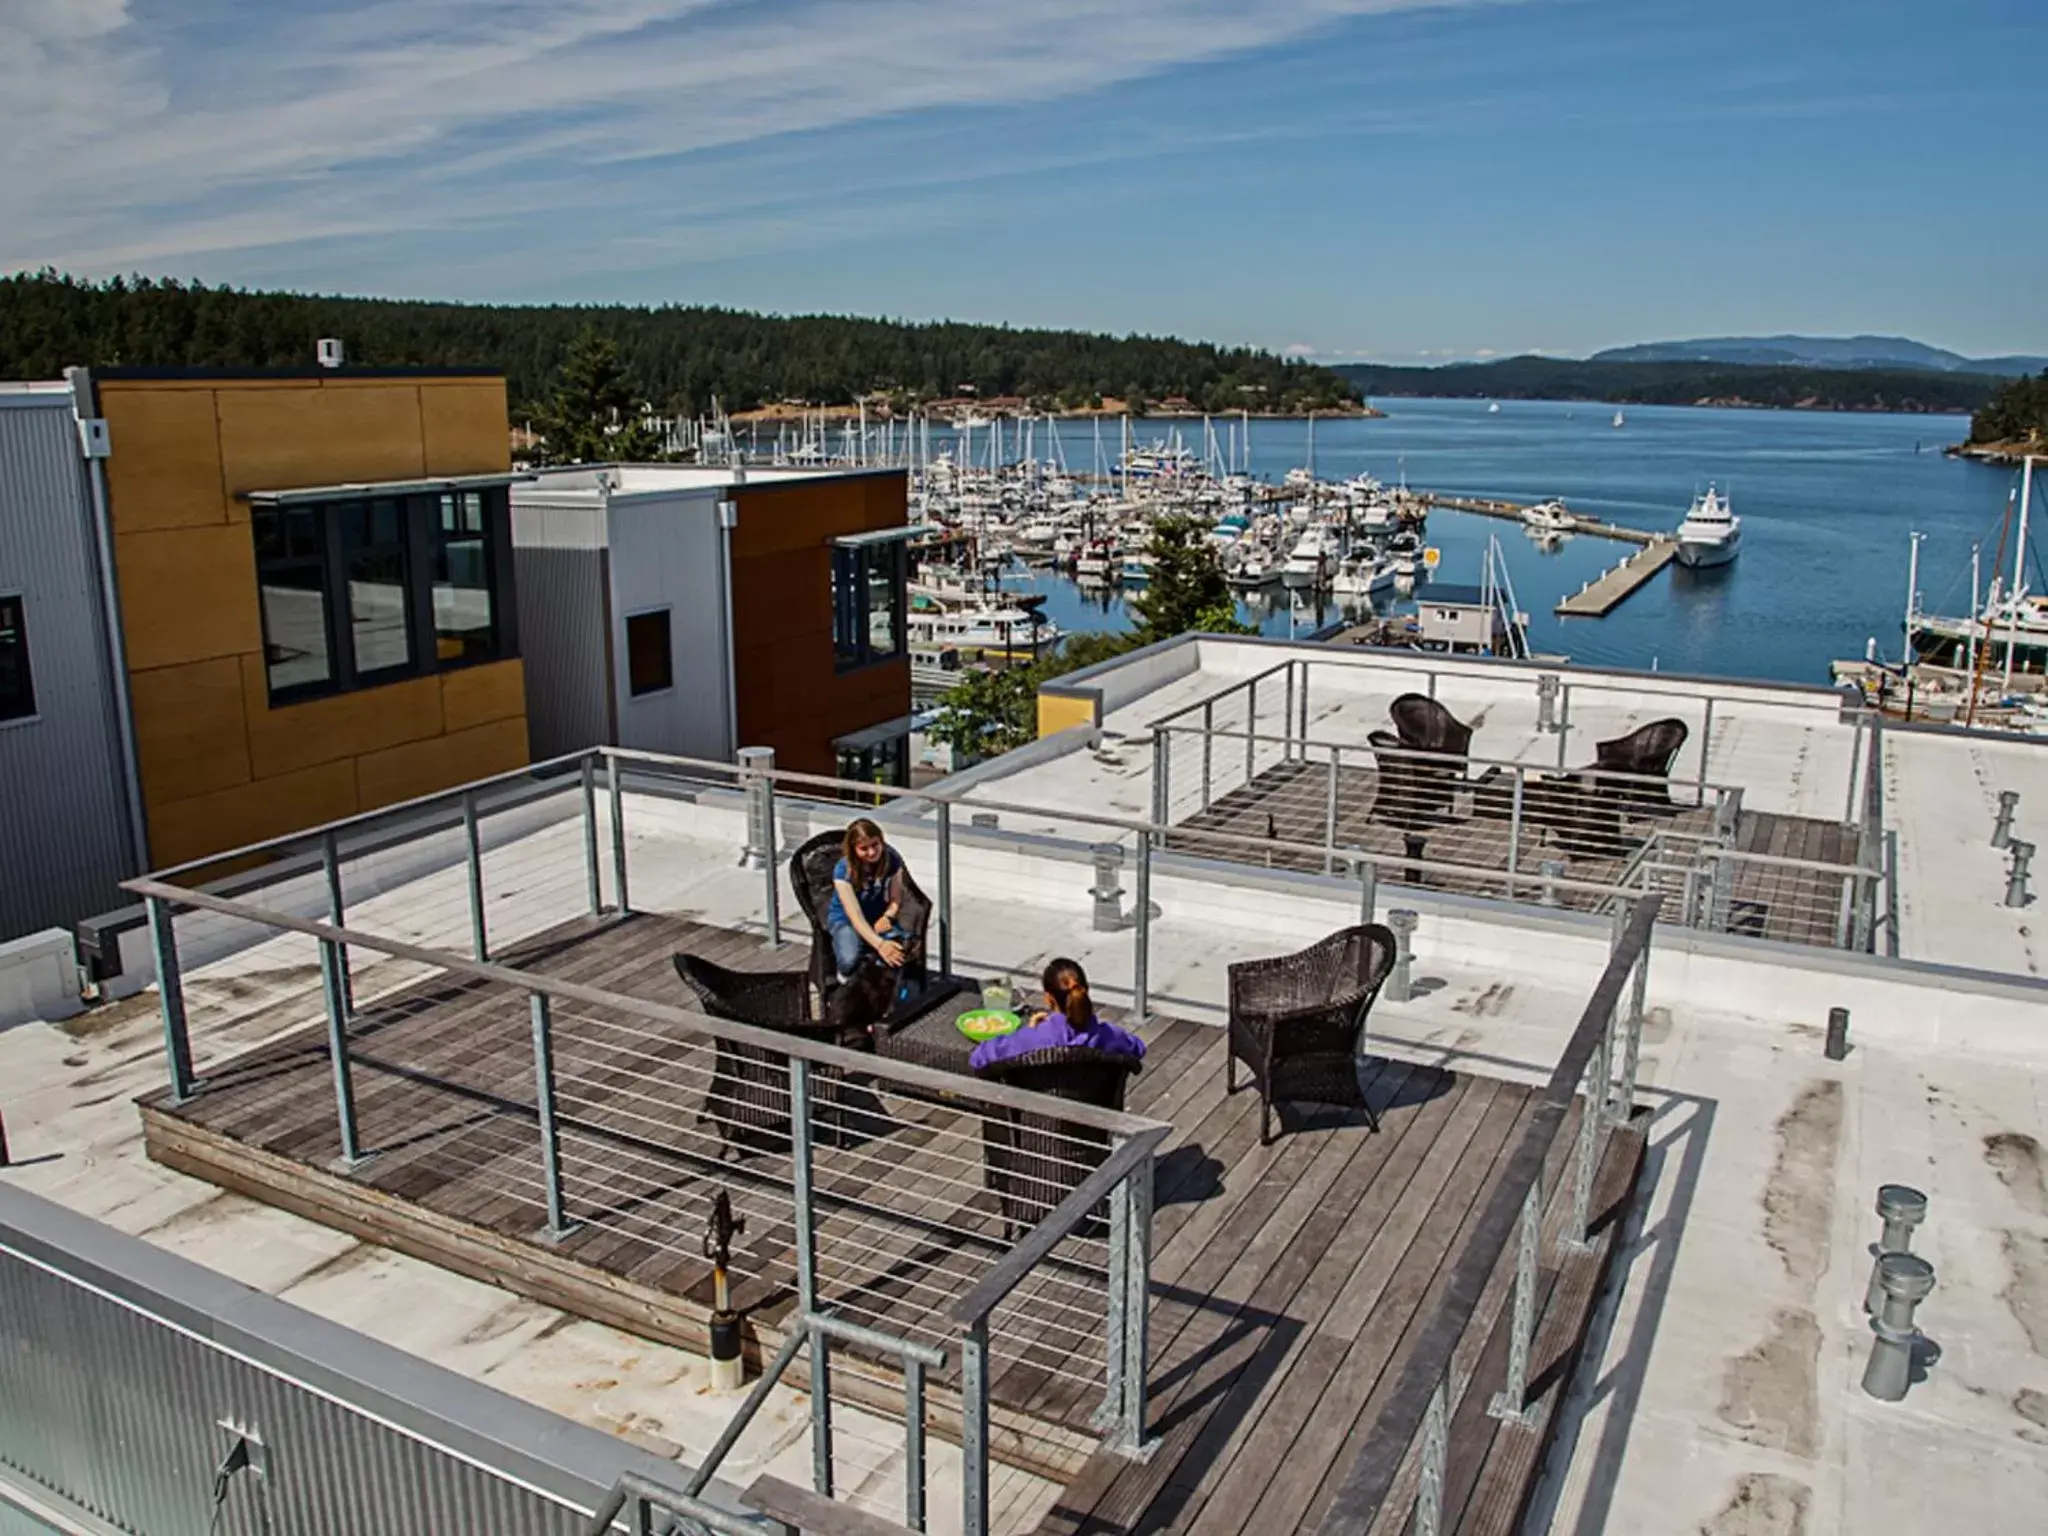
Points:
x=987 y=1023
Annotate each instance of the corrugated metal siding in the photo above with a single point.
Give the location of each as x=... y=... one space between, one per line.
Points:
x=64 y=843
x=669 y=554
x=120 y=1363
x=558 y=561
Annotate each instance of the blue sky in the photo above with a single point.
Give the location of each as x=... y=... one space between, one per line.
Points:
x=1396 y=179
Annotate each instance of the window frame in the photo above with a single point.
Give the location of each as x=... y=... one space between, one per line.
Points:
x=34 y=711
x=668 y=653
x=852 y=628
x=420 y=543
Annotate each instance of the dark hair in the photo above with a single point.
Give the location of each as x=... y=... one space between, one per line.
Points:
x=1067 y=984
x=859 y=830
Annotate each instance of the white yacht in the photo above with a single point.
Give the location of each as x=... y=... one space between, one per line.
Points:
x=1711 y=532
x=1550 y=517
x=1362 y=576
x=1309 y=564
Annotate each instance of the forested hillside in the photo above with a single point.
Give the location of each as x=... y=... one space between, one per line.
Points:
x=679 y=357
x=2016 y=415
x=1546 y=378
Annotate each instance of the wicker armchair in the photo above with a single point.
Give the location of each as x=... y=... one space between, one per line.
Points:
x=1033 y=1161
x=1648 y=751
x=1426 y=726
x=810 y=875
x=748 y=1099
x=1296 y=1022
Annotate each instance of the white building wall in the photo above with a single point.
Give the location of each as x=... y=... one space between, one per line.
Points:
x=668 y=552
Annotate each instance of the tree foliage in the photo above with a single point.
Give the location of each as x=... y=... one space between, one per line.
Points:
x=2018 y=413
x=1187 y=590
x=1551 y=378
x=593 y=413
x=680 y=355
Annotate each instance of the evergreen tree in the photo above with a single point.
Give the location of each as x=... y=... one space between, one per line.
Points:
x=593 y=414
x=1187 y=591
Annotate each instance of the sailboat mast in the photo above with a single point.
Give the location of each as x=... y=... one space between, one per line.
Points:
x=2019 y=570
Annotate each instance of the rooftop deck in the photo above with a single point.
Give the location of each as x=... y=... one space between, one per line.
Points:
x=1286 y=1278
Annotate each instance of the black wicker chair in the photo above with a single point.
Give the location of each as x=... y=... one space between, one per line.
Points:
x=1296 y=1022
x=1034 y=1161
x=810 y=875
x=1648 y=752
x=1426 y=726
x=748 y=1099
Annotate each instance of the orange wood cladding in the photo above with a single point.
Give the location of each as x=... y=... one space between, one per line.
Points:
x=219 y=766
x=790 y=695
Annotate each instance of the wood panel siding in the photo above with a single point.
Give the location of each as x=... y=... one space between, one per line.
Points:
x=219 y=766
x=790 y=694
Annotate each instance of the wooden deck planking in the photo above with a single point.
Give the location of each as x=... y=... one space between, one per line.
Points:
x=1286 y=1277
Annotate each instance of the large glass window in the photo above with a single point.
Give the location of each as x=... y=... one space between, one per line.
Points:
x=868 y=603
x=361 y=592
x=17 y=687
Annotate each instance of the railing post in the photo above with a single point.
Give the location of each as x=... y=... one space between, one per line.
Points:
x=758 y=763
x=1368 y=886
x=615 y=785
x=1512 y=1402
x=330 y=864
x=1251 y=726
x=1632 y=1037
x=1302 y=703
x=1574 y=1238
x=945 y=912
x=1287 y=718
x=801 y=1198
x=170 y=989
x=1161 y=746
x=473 y=839
x=559 y=1226
x=1855 y=758
x=590 y=873
x=1515 y=830
x=1141 y=958
x=913 y=1444
x=1429 y=1499
x=974 y=1430
x=1330 y=811
x=1208 y=744
x=337 y=1051
x=821 y=1409
x=1564 y=721
x=1130 y=1270
x=1706 y=744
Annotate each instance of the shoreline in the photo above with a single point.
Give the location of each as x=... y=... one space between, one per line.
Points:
x=2005 y=454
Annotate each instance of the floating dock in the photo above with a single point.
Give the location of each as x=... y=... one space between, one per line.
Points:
x=1606 y=592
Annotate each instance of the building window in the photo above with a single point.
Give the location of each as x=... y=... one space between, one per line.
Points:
x=650 y=667
x=868 y=603
x=17 y=687
x=887 y=762
x=363 y=592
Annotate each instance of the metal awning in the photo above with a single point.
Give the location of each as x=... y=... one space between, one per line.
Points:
x=877 y=536
x=876 y=735
x=359 y=490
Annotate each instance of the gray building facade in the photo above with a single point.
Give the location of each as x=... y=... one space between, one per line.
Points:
x=70 y=830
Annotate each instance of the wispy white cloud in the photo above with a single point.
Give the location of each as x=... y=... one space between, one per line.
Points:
x=135 y=134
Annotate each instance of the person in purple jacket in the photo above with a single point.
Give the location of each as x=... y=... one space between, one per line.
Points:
x=1068 y=1019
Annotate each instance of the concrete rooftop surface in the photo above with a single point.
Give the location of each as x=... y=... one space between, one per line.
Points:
x=1720 y=1392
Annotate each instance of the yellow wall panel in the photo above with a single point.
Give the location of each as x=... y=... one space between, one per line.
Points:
x=188 y=729
x=478 y=695
x=249 y=813
x=165 y=467
x=345 y=725
x=423 y=767
x=1057 y=713
x=467 y=428
x=187 y=594
x=280 y=438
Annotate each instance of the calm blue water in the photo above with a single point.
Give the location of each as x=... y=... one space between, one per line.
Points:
x=1827 y=502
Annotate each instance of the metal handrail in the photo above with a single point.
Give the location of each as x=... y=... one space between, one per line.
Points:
x=1384 y=1447
x=931 y=1079
x=644 y=1495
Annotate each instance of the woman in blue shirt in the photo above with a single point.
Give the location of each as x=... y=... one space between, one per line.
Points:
x=1068 y=1019
x=866 y=892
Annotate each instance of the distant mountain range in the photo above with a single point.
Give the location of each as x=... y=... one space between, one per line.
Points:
x=1841 y=352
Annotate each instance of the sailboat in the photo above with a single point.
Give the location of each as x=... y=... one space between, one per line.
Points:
x=1620 y=420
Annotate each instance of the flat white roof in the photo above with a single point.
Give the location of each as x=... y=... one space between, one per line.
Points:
x=670 y=479
x=1722 y=1380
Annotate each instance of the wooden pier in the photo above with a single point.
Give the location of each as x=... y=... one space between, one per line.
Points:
x=1605 y=593
x=1509 y=511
